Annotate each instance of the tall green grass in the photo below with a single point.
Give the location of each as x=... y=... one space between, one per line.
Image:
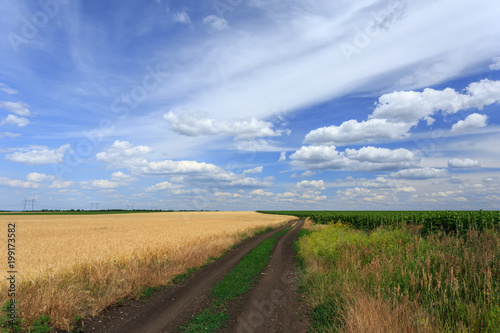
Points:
x=401 y=281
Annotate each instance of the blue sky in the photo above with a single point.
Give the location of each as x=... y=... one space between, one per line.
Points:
x=244 y=105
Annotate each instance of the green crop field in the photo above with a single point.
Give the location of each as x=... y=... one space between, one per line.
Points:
x=401 y=271
x=431 y=221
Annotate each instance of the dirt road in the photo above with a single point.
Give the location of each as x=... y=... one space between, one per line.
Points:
x=272 y=305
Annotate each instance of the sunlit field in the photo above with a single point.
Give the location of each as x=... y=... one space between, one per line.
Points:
x=76 y=265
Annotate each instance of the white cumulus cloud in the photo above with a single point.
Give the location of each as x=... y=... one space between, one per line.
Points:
x=398 y=112
x=19 y=108
x=412 y=106
x=100 y=184
x=352 y=131
x=182 y=17
x=167 y=167
x=39 y=155
x=124 y=154
x=463 y=163
x=202 y=174
x=18 y=183
x=38 y=177
x=162 y=187
x=382 y=155
x=495 y=65
x=319 y=157
x=472 y=121
x=15 y=120
x=261 y=193
x=258 y=169
x=61 y=184
x=421 y=173
x=365 y=159
x=215 y=22
x=312 y=185
x=196 y=124
x=307 y=173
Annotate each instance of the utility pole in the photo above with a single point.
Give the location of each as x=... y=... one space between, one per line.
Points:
x=27 y=201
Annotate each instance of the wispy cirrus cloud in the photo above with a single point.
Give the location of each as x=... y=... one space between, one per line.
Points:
x=6 y=89
x=9 y=135
x=346 y=76
x=306 y=49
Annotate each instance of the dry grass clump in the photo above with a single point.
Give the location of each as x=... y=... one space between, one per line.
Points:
x=366 y=313
x=76 y=265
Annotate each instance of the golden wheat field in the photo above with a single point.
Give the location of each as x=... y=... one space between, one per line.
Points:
x=76 y=265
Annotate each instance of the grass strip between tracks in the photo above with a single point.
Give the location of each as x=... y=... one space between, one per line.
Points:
x=239 y=281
